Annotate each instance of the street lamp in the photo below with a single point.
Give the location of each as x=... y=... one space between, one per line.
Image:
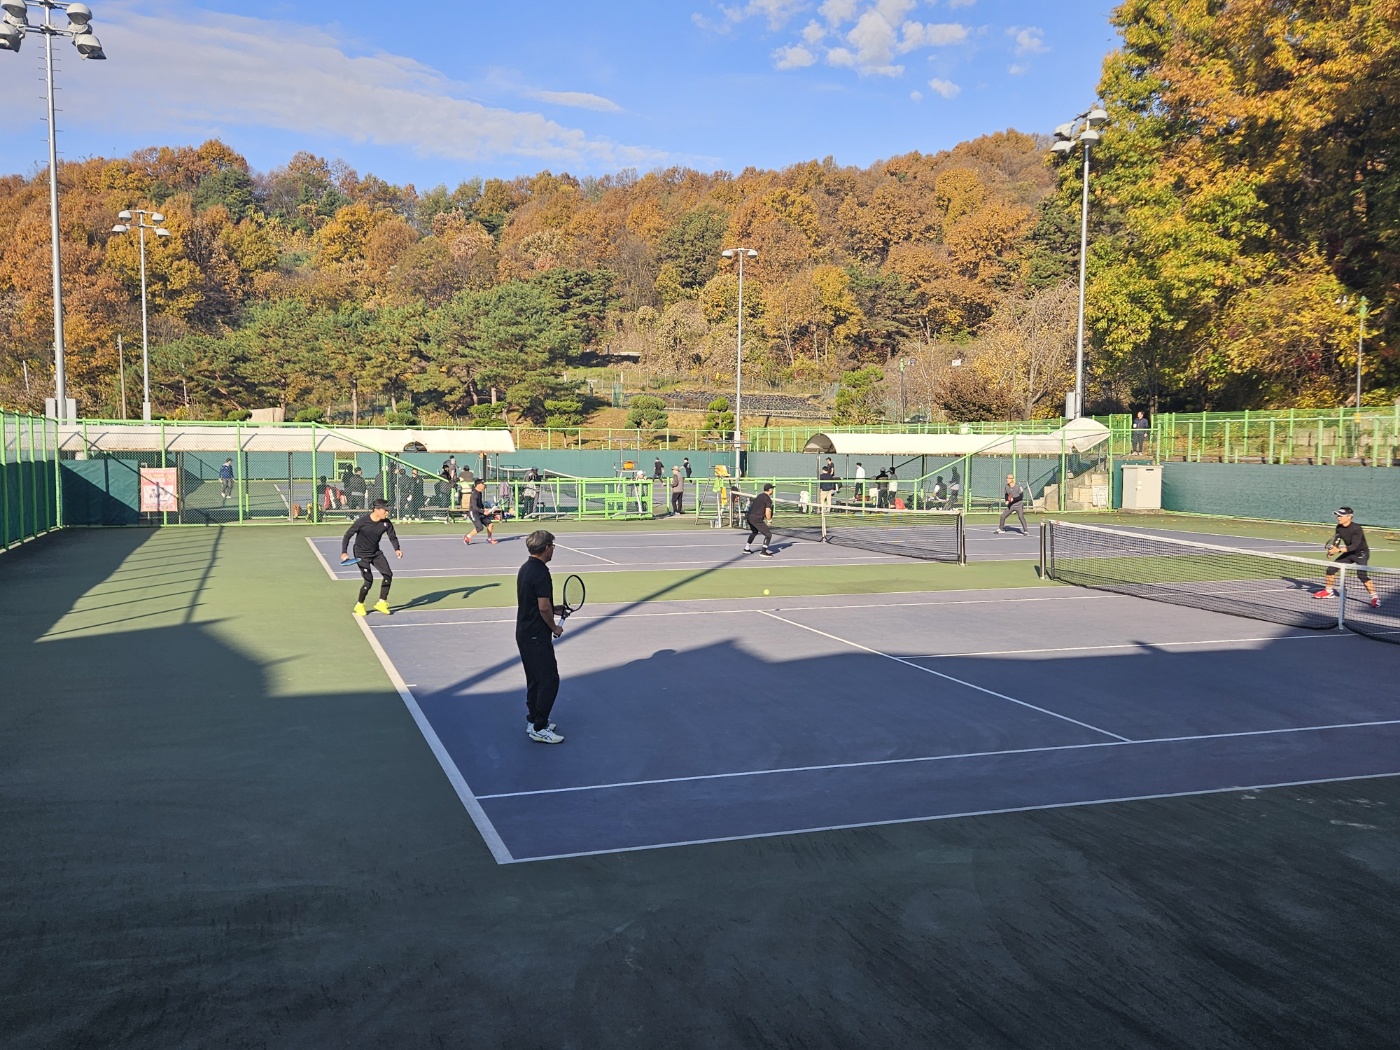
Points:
x=13 y=25
x=1362 y=312
x=741 y=254
x=902 y=362
x=1066 y=136
x=141 y=226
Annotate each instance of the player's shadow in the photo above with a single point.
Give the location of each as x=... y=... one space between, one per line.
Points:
x=434 y=597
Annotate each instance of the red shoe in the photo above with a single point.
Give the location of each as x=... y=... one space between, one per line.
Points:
x=466 y=539
x=1375 y=603
x=489 y=540
x=1324 y=593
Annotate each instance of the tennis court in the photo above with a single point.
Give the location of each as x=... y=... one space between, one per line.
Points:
x=698 y=721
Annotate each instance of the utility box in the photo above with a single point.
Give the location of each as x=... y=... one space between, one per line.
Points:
x=1142 y=487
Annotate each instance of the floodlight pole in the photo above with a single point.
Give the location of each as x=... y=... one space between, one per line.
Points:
x=730 y=253
x=1360 y=345
x=142 y=226
x=1083 y=277
x=60 y=381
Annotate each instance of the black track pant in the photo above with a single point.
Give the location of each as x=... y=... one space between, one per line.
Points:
x=541 y=678
x=755 y=527
x=677 y=502
x=377 y=561
x=1019 y=509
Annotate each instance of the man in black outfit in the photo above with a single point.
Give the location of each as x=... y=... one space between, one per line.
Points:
x=1141 y=426
x=657 y=470
x=535 y=631
x=685 y=463
x=760 y=514
x=476 y=510
x=355 y=489
x=1350 y=547
x=368 y=530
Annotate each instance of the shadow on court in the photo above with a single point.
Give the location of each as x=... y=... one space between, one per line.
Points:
x=433 y=598
x=222 y=829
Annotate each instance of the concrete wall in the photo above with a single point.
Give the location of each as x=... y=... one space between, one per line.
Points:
x=1286 y=493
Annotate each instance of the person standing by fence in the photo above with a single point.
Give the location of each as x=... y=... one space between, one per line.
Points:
x=226 y=479
x=826 y=483
x=1141 y=426
x=677 y=491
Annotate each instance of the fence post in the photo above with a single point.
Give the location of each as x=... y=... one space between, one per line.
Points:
x=1225 y=455
x=165 y=514
x=242 y=490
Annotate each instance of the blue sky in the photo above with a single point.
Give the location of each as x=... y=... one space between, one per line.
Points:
x=439 y=92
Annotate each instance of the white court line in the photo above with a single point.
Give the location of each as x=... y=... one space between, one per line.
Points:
x=1327 y=633
x=454 y=775
x=671 y=566
x=278 y=489
x=584 y=553
x=1097 y=596
x=1120 y=742
x=949 y=816
x=321 y=558
x=940 y=674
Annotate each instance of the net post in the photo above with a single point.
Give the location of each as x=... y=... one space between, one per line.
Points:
x=1341 y=597
x=962 y=540
x=1044 y=528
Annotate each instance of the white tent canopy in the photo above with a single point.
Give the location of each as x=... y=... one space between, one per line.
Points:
x=251 y=437
x=1078 y=435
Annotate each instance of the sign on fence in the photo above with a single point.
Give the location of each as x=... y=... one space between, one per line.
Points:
x=160 y=489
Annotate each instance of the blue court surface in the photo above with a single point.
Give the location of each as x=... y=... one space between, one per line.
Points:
x=699 y=721
x=699 y=548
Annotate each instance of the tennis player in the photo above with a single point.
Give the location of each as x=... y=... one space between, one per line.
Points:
x=1015 y=504
x=1350 y=548
x=535 y=631
x=226 y=480
x=476 y=510
x=759 y=516
x=368 y=530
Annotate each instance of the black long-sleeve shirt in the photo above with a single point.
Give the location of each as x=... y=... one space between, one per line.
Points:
x=1352 y=537
x=367 y=533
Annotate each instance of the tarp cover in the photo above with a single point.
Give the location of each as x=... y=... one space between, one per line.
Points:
x=1079 y=435
x=193 y=437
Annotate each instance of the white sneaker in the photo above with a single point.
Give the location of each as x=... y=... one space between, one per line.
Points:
x=545 y=736
x=530 y=727
x=748 y=550
x=765 y=553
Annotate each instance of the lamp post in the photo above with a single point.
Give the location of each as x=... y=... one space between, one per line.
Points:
x=902 y=362
x=13 y=26
x=741 y=254
x=1363 y=310
x=1066 y=135
x=141 y=226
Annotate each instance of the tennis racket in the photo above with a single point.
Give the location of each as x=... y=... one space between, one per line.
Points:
x=574 y=596
x=1335 y=546
x=349 y=562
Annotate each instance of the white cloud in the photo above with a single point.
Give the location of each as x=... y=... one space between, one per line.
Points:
x=1030 y=40
x=917 y=96
x=946 y=88
x=576 y=100
x=234 y=70
x=814 y=33
x=932 y=34
x=955 y=4
x=874 y=39
x=777 y=12
x=1018 y=69
x=838 y=12
x=839 y=56
x=795 y=57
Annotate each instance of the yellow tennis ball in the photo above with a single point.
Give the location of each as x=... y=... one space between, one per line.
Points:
x=765 y=590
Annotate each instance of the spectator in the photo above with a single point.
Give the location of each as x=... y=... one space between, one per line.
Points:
x=685 y=463
x=860 y=483
x=938 y=495
x=1141 y=425
x=355 y=489
x=893 y=500
x=401 y=493
x=449 y=469
x=677 y=491
x=882 y=489
x=826 y=483
x=415 y=494
x=530 y=493
x=955 y=490
x=504 y=495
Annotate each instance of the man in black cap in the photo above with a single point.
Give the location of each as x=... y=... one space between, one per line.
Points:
x=759 y=516
x=1350 y=548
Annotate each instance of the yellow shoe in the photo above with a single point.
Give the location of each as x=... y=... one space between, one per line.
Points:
x=382 y=606
x=359 y=608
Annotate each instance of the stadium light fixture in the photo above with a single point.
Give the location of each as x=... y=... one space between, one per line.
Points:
x=141 y=226
x=741 y=254
x=1083 y=130
x=13 y=27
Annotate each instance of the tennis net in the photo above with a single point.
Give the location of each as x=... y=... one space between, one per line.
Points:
x=929 y=535
x=1254 y=584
